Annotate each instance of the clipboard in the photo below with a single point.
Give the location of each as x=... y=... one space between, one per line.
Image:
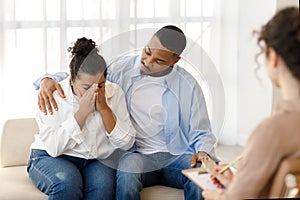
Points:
x=200 y=176
x=201 y=180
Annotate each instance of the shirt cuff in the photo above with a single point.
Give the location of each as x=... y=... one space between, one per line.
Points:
x=120 y=137
x=59 y=76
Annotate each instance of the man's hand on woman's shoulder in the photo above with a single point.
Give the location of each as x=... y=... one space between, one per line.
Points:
x=45 y=96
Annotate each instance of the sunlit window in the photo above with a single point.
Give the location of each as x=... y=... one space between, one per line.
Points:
x=37 y=33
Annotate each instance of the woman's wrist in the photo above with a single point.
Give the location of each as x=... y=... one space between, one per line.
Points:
x=80 y=116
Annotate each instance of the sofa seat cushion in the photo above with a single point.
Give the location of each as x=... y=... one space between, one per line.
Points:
x=159 y=192
x=15 y=140
x=15 y=184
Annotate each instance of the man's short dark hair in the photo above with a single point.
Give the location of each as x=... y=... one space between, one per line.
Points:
x=172 y=38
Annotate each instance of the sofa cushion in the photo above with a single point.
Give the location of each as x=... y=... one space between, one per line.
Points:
x=15 y=185
x=16 y=138
x=159 y=192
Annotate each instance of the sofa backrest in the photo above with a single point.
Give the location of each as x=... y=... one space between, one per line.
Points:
x=16 y=138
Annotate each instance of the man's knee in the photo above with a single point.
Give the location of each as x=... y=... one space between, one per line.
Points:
x=131 y=163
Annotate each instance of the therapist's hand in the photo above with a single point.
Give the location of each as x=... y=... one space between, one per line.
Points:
x=212 y=194
x=221 y=180
x=45 y=96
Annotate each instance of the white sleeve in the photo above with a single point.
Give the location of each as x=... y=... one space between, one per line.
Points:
x=123 y=134
x=56 y=134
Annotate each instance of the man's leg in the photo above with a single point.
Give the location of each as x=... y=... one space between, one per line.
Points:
x=131 y=177
x=172 y=176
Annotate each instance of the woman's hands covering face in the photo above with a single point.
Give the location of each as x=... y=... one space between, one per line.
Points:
x=100 y=98
x=87 y=100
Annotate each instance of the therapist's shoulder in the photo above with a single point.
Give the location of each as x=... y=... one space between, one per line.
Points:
x=275 y=127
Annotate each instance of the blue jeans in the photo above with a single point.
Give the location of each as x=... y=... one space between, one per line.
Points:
x=137 y=170
x=71 y=178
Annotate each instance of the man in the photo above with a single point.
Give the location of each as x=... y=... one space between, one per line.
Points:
x=168 y=110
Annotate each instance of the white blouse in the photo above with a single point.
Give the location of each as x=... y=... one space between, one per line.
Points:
x=60 y=134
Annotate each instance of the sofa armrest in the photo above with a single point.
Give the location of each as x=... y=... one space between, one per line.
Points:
x=16 y=138
x=290 y=166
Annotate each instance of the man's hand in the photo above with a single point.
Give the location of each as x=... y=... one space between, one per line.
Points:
x=197 y=157
x=45 y=96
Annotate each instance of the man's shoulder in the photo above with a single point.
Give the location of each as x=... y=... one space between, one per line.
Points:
x=122 y=68
x=183 y=74
x=123 y=61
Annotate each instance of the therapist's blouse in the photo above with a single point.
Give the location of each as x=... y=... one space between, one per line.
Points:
x=273 y=140
x=60 y=134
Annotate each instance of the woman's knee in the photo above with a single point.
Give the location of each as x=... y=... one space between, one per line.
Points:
x=68 y=185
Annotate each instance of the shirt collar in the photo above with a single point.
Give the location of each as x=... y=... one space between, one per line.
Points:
x=136 y=71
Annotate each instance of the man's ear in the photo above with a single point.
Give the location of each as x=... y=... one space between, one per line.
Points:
x=176 y=60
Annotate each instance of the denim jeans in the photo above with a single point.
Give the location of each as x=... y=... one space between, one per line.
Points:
x=71 y=178
x=137 y=170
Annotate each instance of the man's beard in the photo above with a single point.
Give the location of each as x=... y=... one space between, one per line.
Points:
x=160 y=73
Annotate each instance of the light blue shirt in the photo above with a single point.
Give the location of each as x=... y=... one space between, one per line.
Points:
x=187 y=127
x=59 y=76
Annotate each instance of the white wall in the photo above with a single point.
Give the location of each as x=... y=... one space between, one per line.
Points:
x=284 y=3
x=227 y=65
x=248 y=100
x=254 y=98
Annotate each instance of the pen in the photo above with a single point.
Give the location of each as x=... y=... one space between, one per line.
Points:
x=230 y=164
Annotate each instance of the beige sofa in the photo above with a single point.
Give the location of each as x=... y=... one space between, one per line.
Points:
x=16 y=137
